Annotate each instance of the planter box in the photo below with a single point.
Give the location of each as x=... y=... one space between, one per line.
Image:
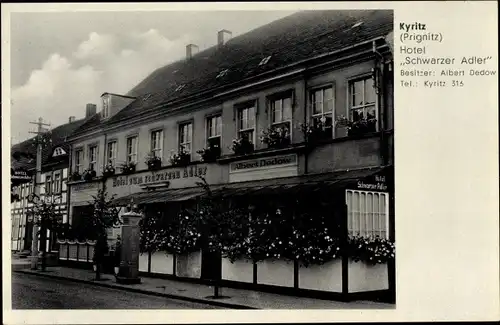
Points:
x=162 y=263
x=143 y=262
x=239 y=270
x=326 y=277
x=275 y=272
x=189 y=265
x=364 y=277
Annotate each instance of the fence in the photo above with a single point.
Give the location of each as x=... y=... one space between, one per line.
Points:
x=76 y=251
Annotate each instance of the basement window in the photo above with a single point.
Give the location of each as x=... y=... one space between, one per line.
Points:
x=265 y=60
x=222 y=73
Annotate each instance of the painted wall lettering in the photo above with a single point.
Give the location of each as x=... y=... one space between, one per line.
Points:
x=159 y=176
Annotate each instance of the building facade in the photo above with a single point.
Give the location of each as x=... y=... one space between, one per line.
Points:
x=54 y=174
x=307 y=99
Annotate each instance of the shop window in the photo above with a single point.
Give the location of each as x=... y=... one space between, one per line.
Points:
x=93 y=158
x=79 y=161
x=362 y=101
x=57 y=183
x=185 y=137
x=322 y=101
x=367 y=213
x=246 y=122
x=214 y=131
x=156 y=143
x=132 y=149
x=111 y=153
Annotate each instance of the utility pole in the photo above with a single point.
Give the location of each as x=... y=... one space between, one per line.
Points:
x=40 y=131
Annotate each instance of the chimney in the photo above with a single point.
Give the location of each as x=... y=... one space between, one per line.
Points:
x=191 y=49
x=91 y=109
x=223 y=36
x=71 y=119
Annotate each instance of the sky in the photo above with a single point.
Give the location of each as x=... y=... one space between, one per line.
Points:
x=60 y=61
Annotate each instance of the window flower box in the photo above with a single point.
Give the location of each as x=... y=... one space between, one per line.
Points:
x=128 y=168
x=210 y=154
x=242 y=146
x=314 y=132
x=276 y=137
x=109 y=170
x=76 y=176
x=89 y=175
x=153 y=162
x=181 y=158
x=358 y=127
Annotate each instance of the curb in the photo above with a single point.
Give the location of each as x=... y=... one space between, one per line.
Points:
x=151 y=293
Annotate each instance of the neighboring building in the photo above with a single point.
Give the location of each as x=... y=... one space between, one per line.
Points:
x=310 y=67
x=55 y=161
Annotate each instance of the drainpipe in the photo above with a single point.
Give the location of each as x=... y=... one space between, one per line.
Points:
x=380 y=91
x=104 y=162
x=306 y=152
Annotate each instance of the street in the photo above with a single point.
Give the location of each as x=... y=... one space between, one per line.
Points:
x=36 y=292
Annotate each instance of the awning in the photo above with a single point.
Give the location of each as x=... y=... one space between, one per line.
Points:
x=310 y=184
x=167 y=195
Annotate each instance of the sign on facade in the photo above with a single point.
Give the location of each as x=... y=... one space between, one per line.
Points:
x=264 y=168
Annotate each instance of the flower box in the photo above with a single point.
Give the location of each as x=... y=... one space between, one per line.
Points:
x=276 y=137
x=239 y=270
x=358 y=127
x=210 y=154
x=324 y=277
x=76 y=176
x=109 y=170
x=277 y=272
x=314 y=133
x=242 y=146
x=363 y=277
x=182 y=158
x=153 y=162
x=189 y=265
x=128 y=168
x=89 y=175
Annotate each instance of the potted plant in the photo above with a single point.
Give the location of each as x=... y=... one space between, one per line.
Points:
x=316 y=131
x=128 y=168
x=242 y=146
x=181 y=158
x=89 y=174
x=360 y=126
x=210 y=154
x=76 y=176
x=109 y=170
x=153 y=162
x=276 y=137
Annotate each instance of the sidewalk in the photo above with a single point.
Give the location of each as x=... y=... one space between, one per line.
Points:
x=199 y=293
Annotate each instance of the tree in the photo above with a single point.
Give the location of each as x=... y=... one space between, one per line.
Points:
x=47 y=217
x=104 y=216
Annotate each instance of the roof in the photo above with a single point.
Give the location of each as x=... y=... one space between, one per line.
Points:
x=23 y=155
x=289 y=40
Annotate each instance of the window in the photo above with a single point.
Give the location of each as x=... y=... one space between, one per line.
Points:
x=48 y=184
x=362 y=100
x=185 y=136
x=214 y=130
x=246 y=122
x=105 y=106
x=58 y=152
x=157 y=143
x=93 y=158
x=111 y=153
x=79 y=161
x=222 y=73
x=57 y=183
x=265 y=60
x=322 y=106
x=367 y=213
x=132 y=149
x=281 y=112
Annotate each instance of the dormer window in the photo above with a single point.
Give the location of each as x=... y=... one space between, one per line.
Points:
x=222 y=73
x=58 y=152
x=180 y=87
x=105 y=106
x=359 y=23
x=265 y=60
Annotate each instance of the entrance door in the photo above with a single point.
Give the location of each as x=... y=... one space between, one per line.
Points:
x=211 y=265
